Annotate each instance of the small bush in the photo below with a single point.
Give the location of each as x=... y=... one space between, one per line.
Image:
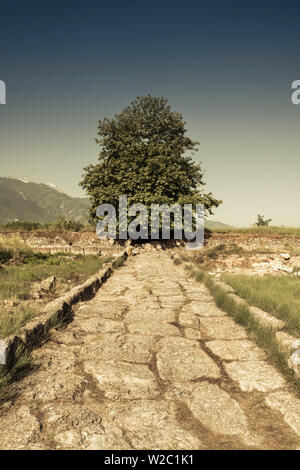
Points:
x=13 y=247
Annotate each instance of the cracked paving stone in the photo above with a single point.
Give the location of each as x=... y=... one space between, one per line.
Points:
x=288 y=405
x=199 y=296
x=46 y=386
x=235 y=350
x=152 y=425
x=118 y=347
x=190 y=333
x=153 y=328
x=255 y=375
x=213 y=407
x=79 y=427
x=183 y=359
x=18 y=429
x=112 y=310
x=58 y=357
x=203 y=309
x=123 y=380
x=96 y=325
x=139 y=315
x=221 y=328
x=146 y=306
x=189 y=320
x=171 y=300
x=162 y=292
x=66 y=337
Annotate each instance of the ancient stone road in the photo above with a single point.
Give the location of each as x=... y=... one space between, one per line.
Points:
x=150 y=363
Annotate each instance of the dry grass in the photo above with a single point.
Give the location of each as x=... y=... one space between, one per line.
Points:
x=278 y=295
x=263 y=336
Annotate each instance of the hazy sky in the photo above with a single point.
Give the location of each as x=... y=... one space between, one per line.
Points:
x=226 y=66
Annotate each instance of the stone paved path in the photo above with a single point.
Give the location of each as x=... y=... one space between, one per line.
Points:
x=150 y=363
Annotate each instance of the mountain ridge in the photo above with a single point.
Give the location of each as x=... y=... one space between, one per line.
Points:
x=25 y=200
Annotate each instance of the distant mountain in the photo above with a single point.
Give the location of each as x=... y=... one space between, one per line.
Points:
x=24 y=200
x=214 y=224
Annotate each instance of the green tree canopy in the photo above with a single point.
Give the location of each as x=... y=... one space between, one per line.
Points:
x=144 y=156
x=262 y=222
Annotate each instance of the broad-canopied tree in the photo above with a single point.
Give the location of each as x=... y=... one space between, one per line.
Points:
x=145 y=155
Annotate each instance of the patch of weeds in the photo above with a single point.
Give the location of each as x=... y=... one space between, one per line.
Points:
x=119 y=262
x=14 y=373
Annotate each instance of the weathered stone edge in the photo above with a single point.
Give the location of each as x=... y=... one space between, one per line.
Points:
x=262 y=317
x=287 y=343
x=53 y=314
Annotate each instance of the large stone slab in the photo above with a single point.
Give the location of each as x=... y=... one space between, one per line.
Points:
x=191 y=333
x=152 y=425
x=119 y=347
x=173 y=300
x=52 y=385
x=255 y=375
x=287 y=342
x=204 y=309
x=164 y=291
x=153 y=328
x=188 y=319
x=80 y=427
x=111 y=309
x=18 y=429
x=145 y=305
x=265 y=319
x=199 y=296
x=222 y=328
x=212 y=406
x=56 y=358
x=181 y=359
x=288 y=405
x=123 y=380
x=235 y=350
x=97 y=324
x=155 y=314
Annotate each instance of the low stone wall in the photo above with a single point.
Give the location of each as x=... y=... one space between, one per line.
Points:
x=74 y=250
x=55 y=313
x=248 y=242
x=287 y=343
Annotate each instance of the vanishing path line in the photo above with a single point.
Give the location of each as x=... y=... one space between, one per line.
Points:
x=150 y=363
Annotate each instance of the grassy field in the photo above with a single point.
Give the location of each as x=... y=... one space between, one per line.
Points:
x=278 y=295
x=23 y=268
